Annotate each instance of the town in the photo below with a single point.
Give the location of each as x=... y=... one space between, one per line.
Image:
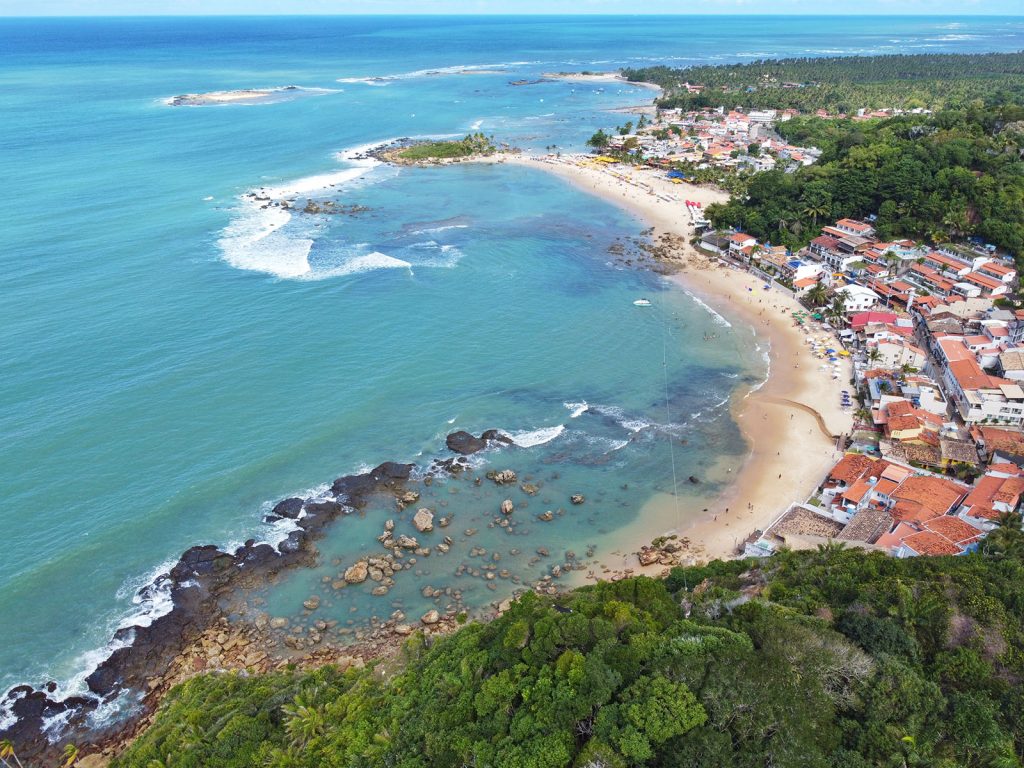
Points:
x=934 y=460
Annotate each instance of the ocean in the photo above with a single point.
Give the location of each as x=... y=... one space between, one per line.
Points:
x=174 y=357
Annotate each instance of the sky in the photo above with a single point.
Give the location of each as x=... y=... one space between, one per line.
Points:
x=281 y=7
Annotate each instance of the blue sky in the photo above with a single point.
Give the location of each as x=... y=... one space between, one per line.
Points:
x=191 y=7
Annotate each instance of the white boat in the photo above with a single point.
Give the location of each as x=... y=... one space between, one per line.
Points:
x=641 y=303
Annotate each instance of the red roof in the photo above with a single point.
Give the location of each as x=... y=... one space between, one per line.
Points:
x=953 y=529
x=850 y=467
x=924 y=497
x=825 y=241
x=856 y=226
x=932 y=544
x=861 y=319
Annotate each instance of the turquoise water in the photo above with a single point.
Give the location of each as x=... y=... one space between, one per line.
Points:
x=168 y=366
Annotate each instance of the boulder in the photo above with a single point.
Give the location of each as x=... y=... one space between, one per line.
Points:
x=312 y=603
x=357 y=573
x=407 y=542
x=507 y=507
x=431 y=617
x=547 y=517
x=278 y=622
x=289 y=508
x=577 y=498
x=694 y=479
x=423 y=520
x=464 y=443
x=504 y=477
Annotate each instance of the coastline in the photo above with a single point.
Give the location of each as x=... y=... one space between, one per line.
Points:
x=788 y=452
x=171 y=642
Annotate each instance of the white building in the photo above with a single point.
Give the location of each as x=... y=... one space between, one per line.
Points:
x=857 y=298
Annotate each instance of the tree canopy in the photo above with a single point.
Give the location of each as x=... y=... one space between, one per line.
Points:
x=845 y=84
x=822 y=658
x=954 y=174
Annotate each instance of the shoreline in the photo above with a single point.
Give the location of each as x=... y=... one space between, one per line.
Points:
x=788 y=453
x=170 y=642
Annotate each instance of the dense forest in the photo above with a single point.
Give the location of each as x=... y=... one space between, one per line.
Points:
x=947 y=176
x=846 y=84
x=822 y=658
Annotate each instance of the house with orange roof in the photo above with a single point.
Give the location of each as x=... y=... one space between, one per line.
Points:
x=1001 y=271
x=998 y=445
x=998 y=492
x=854 y=227
x=922 y=497
x=740 y=240
x=980 y=284
x=980 y=397
x=944 y=535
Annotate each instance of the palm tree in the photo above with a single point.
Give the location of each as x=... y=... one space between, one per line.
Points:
x=874 y=355
x=70 y=756
x=7 y=754
x=818 y=295
x=814 y=210
x=837 y=312
x=305 y=722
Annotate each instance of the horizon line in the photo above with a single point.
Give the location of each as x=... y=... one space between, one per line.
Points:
x=486 y=14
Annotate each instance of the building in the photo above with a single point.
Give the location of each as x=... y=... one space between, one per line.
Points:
x=857 y=297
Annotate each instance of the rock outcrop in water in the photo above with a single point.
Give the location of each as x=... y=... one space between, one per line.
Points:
x=464 y=443
x=195 y=584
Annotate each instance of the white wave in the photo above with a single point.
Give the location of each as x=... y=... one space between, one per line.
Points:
x=443 y=256
x=380 y=82
x=433 y=72
x=606 y=445
x=256 y=240
x=452 y=420
x=475 y=125
x=150 y=594
x=530 y=438
x=618 y=415
x=718 y=318
x=54 y=725
x=577 y=409
x=7 y=716
x=368 y=263
x=435 y=230
x=113 y=710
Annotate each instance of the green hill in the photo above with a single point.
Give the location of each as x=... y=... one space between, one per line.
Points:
x=825 y=658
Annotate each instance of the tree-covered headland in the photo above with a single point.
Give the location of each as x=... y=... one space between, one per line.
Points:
x=955 y=174
x=845 y=84
x=822 y=658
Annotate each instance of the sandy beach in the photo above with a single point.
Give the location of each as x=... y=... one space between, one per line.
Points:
x=789 y=423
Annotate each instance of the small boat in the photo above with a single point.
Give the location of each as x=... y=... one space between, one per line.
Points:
x=641 y=303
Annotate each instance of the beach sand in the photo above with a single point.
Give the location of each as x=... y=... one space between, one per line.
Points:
x=788 y=423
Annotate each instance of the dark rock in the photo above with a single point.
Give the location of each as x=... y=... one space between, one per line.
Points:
x=289 y=508
x=694 y=479
x=464 y=443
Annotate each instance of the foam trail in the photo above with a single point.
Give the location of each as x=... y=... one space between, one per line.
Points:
x=530 y=438
x=718 y=318
x=577 y=409
x=434 y=72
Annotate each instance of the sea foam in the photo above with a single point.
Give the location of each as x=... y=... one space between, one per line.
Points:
x=531 y=438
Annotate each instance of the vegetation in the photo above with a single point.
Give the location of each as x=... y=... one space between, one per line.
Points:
x=845 y=84
x=824 y=658
x=472 y=144
x=955 y=174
